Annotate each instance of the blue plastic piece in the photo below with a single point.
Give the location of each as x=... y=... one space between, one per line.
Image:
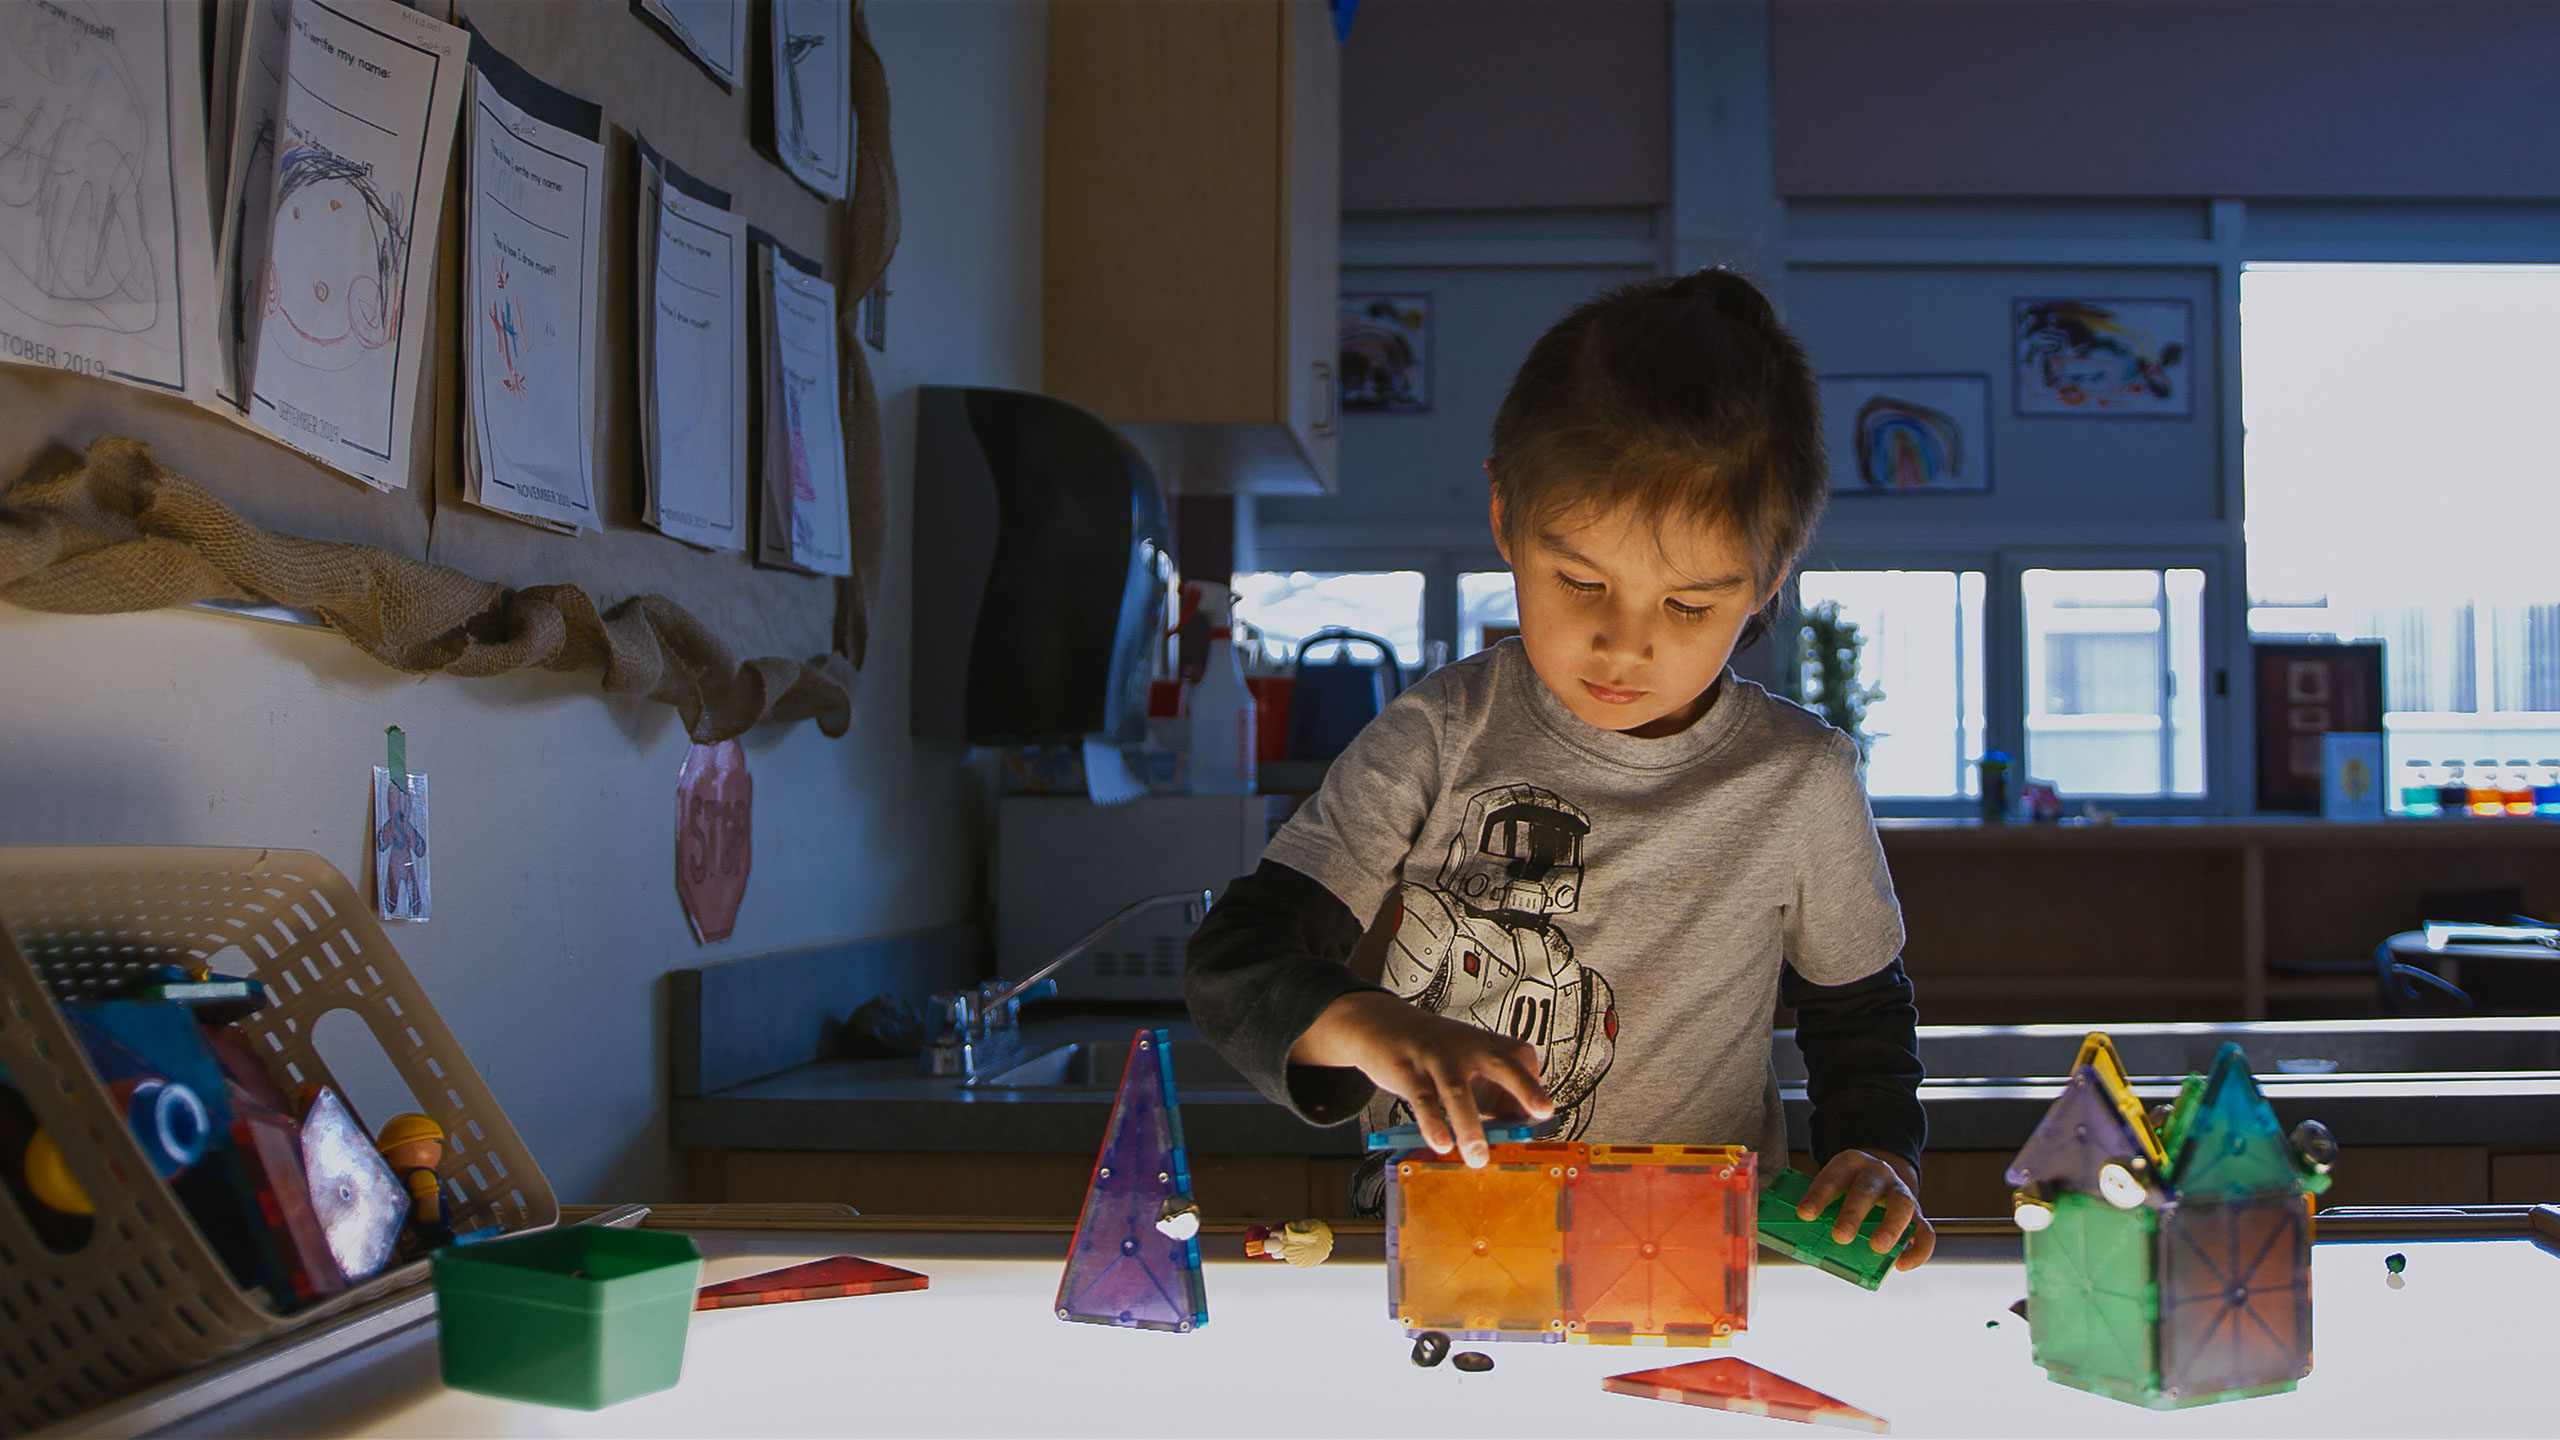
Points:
x=1408 y=1136
x=1125 y=1270
x=2233 y=1146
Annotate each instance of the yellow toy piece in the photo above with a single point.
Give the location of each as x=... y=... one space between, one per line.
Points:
x=50 y=1178
x=408 y=1129
x=2099 y=1053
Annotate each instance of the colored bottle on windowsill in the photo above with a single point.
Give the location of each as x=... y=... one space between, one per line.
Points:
x=2488 y=797
x=2418 y=797
x=2546 y=789
x=2519 y=787
x=2453 y=795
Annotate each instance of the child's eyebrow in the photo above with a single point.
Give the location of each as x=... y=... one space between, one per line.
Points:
x=1715 y=585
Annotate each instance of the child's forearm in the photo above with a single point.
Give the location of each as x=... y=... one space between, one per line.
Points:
x=1862 y=1063
x=1261 y=971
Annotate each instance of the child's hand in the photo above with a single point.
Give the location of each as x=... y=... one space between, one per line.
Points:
x=1865 y=1179
x=1451 y=1073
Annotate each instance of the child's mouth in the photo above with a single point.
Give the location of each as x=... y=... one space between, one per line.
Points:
x=1608 y=695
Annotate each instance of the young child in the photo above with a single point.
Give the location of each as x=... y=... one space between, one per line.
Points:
x=1598 y=860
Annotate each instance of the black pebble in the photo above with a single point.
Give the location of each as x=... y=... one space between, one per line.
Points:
x=1430 y=1348
x=1474 y=1362
x=2019 y=1309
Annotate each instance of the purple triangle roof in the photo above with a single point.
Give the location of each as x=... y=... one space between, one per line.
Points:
x=2082 y=1132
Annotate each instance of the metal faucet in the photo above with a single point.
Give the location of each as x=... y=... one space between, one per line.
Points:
x=975 y=1030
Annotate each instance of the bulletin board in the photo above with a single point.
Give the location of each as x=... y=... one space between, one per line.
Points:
x=116 y=499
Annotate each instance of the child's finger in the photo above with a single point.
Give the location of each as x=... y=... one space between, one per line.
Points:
x=1466 y=1126
x=1899 y=1211
x=1856 y=1201
x=1924 y=1243
x=1519 y=1079
x=1825 y=1187
x=1423 y=1098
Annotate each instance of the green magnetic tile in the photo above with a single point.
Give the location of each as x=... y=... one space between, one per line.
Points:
x=2233 y=1146
x=1810 y=1242
x=2092 y=1306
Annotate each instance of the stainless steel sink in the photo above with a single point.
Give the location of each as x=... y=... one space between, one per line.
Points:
x=1096 y=1065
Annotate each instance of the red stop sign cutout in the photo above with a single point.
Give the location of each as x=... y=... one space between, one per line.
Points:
x=715 y=811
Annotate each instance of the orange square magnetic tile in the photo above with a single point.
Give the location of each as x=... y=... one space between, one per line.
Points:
x=1480 y=1253
x=1660 y=1245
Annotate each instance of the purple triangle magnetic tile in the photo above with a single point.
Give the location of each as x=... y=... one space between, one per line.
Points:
x=1122 y=1270
x=2083 y=1132
x=2233 y=1145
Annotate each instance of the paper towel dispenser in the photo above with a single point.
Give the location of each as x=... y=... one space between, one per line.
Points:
x=1042 y=555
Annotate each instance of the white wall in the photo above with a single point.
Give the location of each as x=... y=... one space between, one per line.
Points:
x=553 y=806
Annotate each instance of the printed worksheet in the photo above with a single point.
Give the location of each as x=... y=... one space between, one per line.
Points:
x=530 y=291
x=693 y=323
x=371 y=94
x=812 y=103
x=804 y=519
x=106 y=266
x=715 y=31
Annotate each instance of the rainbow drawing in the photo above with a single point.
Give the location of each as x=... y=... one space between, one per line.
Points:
x=1905 y=445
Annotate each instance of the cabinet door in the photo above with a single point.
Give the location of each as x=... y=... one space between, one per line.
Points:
x=1312 y=283
x=1164 y=223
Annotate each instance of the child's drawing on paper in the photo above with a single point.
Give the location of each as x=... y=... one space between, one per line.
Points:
x=400 y=886
x=337 y=253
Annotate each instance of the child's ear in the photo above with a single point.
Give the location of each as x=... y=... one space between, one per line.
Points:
x=1501 y=546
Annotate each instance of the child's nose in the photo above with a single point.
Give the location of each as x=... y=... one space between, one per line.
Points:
x=1624 y=632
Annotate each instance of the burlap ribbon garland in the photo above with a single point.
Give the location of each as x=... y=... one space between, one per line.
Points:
x=121 y=532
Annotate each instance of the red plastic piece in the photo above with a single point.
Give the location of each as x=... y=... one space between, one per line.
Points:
x=1660 y=1244
x=816 y=1280
x=1744 y=1388
x=2235 y=1295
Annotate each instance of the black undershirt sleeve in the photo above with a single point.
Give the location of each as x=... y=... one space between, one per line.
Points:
x=1862 y=1062
x=1269 y=958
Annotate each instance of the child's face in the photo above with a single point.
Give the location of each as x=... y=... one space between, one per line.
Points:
x=1629 y=621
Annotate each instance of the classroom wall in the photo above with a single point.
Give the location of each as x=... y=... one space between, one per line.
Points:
x=553 y=806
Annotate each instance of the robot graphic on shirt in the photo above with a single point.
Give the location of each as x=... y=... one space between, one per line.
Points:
x=1481 y=945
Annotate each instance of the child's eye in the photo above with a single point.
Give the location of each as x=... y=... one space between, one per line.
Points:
x=1579 y=587
x=1689 y=612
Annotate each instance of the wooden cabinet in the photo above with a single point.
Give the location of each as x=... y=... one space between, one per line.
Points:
x=1189 y=273
x=2183 y=919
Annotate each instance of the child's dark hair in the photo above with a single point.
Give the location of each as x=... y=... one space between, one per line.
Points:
x=1681 y=396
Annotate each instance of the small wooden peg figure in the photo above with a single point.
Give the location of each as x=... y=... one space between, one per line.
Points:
x=413 y=1145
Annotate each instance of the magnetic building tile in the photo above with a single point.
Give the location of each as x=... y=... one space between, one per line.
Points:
x=2233 y=1145
x=2091 y=1304
x=816 y=1280
x=1809 y=1241
x=1659 y=1245
x=2082 y=1133
x=1480 y=1253
x=1726 y=1383
x=1122 y=1270
x=2235 y=1296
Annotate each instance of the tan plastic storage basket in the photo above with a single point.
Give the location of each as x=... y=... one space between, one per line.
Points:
x=145 y=1297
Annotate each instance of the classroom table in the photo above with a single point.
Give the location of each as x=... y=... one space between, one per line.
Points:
x=2460 y=1346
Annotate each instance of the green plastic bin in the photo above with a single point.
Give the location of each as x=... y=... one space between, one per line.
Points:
x=580 y=1317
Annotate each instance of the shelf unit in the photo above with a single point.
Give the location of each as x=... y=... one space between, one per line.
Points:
x=2181 y=919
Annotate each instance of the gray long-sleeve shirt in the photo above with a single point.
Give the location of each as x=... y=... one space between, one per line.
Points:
x=1635 y=910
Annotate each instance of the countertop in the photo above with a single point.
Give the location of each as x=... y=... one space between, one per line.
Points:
x=2418 y=1098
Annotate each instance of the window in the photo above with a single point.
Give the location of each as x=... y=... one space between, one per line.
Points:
x=2114 y=671
x=2398 y=484
x=1488 y=609
x=1289 y=606
x=1923 y=633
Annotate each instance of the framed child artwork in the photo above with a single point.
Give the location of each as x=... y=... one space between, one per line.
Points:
x=1384 y=344
x=2102 y=357
x=1906 y=434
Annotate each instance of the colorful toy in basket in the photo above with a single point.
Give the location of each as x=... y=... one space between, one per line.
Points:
x=1567 y=1241
x=2172 y=1266
x=185 y=1241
